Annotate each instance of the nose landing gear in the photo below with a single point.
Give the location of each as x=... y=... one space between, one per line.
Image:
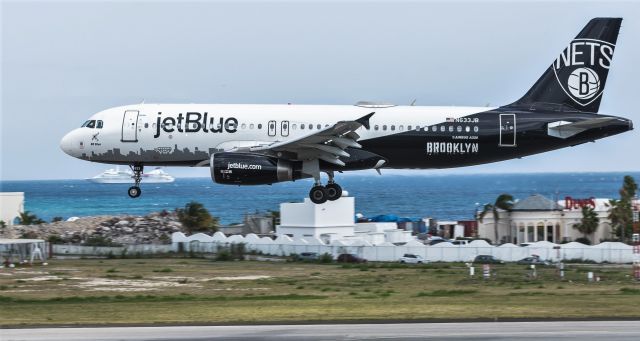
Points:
x=135 y=191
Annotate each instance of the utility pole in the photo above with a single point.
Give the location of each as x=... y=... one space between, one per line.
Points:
x=635 y=238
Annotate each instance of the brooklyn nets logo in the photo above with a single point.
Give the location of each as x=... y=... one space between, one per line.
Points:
x=582 y=67
x=584 y=83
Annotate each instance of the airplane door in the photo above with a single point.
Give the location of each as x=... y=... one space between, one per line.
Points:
x=130 y=126
x=507 y=130
x=284 y=128
x=271 y=128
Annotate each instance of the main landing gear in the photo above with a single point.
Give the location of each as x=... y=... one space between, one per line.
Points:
x=135 y=191
x=320 y=194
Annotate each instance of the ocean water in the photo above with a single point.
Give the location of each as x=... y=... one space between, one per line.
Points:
x=445 y=197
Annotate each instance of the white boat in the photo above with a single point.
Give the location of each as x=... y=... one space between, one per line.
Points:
x=118 y=176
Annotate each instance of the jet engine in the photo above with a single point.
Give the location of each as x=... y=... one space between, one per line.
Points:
x=252 y=169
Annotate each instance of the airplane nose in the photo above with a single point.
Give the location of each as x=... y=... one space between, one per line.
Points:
x=66 y=144
x=630 y=125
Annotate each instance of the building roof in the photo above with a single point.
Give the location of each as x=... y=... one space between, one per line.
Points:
x=536 y=202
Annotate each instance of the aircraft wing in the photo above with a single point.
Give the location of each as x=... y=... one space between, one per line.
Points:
x=565 y=129
x=328 y=144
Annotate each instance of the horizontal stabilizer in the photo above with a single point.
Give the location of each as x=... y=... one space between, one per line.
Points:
x=566 y=129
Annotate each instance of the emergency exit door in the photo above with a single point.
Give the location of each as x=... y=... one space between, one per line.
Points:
x=271 y=128
x=507 y=130
x=130 y=126
x=284 y=128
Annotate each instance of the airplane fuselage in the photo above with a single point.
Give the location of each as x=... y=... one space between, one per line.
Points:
x=406 y=136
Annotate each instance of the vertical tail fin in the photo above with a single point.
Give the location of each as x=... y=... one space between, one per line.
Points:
x=578 y=76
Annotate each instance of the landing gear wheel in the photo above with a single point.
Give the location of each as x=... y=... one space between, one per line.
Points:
x=334 y=191
x=318 y=195
x=134 y=191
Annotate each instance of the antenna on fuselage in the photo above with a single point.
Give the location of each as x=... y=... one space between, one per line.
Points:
x=413 y=103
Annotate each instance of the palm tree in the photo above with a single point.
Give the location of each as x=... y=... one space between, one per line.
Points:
x=27 y=218
x=589 y=223
x=503 y=202
x=196 y=218
x=621 y=212
x=621 y=217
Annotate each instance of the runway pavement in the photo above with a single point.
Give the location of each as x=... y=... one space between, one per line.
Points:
x=565 y=330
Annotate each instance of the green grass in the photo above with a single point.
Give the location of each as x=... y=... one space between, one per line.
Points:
x=630 y=291
x=153 y=298
x=195 y=290
x=447 y=293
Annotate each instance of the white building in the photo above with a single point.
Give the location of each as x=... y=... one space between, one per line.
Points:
x=538 y=218
x=11 y=205
x=335 y=221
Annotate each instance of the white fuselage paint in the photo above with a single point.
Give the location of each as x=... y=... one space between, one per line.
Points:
x=143 y=134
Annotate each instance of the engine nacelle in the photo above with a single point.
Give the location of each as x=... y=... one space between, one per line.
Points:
x=251 y=169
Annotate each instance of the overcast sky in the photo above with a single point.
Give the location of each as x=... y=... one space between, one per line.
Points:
x=64 y=61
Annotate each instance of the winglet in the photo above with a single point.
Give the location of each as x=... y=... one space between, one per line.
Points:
x=364 y=120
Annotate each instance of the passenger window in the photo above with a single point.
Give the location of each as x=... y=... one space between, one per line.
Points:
x=375 y=127
x=251 y=126
x=243 y=126
x=467 y=129
x=401 y=128
x=259 y=125
x=475 y=129
x=434 y=128
x=384 y=127
x=393 y=128
x=99 y=126
x=310 y=126
x=91 y=124
x=459 y=129
x=319 y=126
x=408 y=127
x=451 y=129
x=294 y=126
x=302 y=126
x=146 y=125
x=326 y=126
x=442 y=129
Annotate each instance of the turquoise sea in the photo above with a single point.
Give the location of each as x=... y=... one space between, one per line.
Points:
x=443 y=197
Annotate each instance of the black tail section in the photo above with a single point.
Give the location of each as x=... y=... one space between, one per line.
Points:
x=578 y=76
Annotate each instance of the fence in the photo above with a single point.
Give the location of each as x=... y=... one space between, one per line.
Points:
x=143 y=249
x=611 y=252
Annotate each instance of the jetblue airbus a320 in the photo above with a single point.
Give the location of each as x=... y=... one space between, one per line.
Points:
x=264 y=144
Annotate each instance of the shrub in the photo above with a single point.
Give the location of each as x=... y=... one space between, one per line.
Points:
x=583 y=240
x=325 y=258
x=231 y=252
x=29 y=235
x=223 y=255
x=56 y=219
x=99 y=241
x=2 y=224
x=55 y=239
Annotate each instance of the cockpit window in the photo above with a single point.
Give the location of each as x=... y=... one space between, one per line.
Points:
x=91 y=124
x=85 y=124
x=99 y=124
